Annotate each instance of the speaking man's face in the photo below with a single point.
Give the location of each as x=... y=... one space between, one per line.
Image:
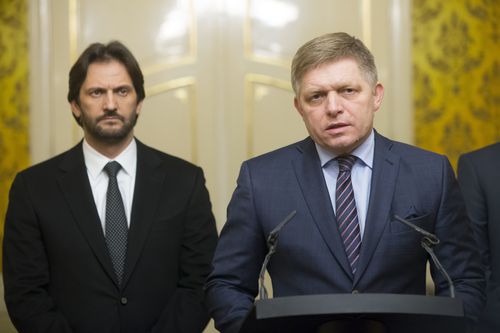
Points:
x=337 y=104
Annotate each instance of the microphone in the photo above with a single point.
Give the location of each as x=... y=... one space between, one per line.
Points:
x=272 y=243
x=427 y=242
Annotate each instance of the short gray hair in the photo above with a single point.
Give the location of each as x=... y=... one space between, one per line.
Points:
x=331 y=47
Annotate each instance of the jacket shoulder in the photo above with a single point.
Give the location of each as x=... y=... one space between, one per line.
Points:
x=484 y=154
x=166 y=160
x=286 y=152
x=407 y=151
x=52 y=164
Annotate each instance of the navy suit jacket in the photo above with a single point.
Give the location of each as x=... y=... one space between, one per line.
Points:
x=479 y=178
x=58 y=274
x=310 y=259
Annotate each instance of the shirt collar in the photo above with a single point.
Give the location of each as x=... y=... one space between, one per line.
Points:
x=95 y=161
x=363 y=152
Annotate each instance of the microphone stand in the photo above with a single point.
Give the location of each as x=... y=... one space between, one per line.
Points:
x=272 y=243
x=428 y=242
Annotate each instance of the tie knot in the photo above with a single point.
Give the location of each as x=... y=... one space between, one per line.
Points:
x=112 y=168
x=346 y=162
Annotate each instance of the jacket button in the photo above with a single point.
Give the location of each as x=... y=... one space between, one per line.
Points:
x=123 y=300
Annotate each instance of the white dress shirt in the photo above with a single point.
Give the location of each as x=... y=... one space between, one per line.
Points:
x=361 y=175
x=95 y=162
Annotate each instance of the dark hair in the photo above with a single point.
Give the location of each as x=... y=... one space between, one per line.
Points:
x=98 y=52
x=331 y=47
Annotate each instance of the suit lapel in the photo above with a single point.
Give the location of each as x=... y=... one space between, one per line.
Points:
x=385 y=171
x=75 y=186
x=147 y=193
x=310 y=177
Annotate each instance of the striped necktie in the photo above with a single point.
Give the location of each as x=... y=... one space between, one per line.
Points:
x=347 y=217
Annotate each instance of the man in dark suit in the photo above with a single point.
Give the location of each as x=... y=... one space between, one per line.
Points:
x=73 y=263
x=346 y=183
x=479 y=178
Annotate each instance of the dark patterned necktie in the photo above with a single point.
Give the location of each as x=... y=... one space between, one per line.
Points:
x=116 y=221
x=347 y=216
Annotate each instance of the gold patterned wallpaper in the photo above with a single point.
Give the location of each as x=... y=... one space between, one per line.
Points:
x=14 y=95
x=456 y=48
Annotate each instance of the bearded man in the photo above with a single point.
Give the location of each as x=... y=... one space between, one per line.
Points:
x=111 y=235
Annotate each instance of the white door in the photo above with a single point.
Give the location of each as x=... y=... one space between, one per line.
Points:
x=216 y=72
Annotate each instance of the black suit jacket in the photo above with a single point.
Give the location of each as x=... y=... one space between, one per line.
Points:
x=479 y=177
x=58 y=275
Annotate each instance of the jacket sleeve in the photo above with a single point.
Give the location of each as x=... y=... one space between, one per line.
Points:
x=232 y=285
x=458 y=249
x=186 y=311
x=25 y=268
x=476 y=208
